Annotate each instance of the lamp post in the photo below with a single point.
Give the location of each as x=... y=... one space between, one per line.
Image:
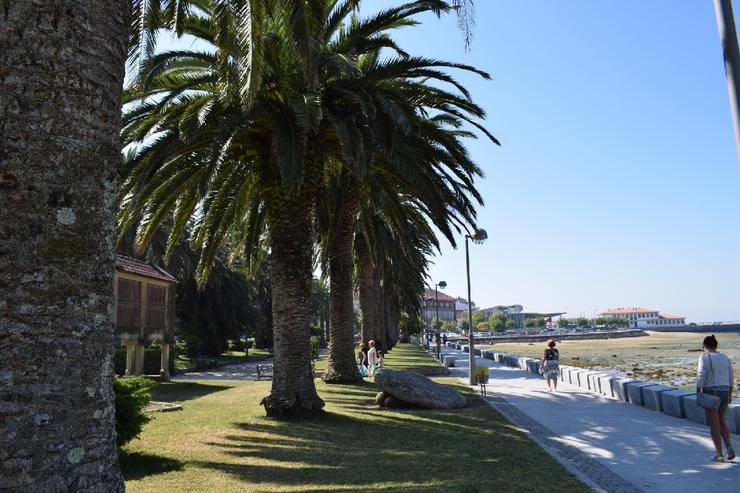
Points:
x=438 y=336
x=731 y=54
x=478 y=237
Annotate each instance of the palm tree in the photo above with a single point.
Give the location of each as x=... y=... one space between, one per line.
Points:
x=59 y=137
x=398 y=96
x=238 y=137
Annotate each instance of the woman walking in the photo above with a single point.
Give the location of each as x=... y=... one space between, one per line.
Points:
x=714 y=385
x=372 y=357
x=550 y=365
x=362 y=360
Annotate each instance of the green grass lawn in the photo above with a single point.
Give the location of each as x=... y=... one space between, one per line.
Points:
x=222 y=442
x=183 y=363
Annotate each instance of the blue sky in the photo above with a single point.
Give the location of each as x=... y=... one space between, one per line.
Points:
x=618 y=182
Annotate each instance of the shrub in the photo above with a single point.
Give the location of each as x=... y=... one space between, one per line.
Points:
x=315 y=344
x=132 y=395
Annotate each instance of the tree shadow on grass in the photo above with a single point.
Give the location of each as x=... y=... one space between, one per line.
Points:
x=136 y=465
x=334 y=451
x=184 y=391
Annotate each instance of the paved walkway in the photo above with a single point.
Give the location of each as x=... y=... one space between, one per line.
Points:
x=236 y=371
x=616 y=445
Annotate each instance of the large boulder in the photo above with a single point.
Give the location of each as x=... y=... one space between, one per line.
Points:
x=417 y=389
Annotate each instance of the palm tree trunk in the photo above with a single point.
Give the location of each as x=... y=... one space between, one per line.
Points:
x=61 y=75
x=341 y=367
x=293 y=391
x=366 y=282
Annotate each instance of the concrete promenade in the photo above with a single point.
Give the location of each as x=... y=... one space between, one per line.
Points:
x=606 y=440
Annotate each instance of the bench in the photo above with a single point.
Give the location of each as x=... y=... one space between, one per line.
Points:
x=264 y=371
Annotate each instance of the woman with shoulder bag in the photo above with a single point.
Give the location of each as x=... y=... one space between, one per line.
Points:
x=714 y=385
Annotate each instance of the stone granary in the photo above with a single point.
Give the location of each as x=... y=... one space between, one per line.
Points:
x=145 y=311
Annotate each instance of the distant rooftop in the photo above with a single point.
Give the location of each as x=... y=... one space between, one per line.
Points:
x=144 y=269
x=620 y=311
x=429 y=295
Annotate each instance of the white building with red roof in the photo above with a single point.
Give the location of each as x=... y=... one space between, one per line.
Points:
x=645 y=318
x=437 y=303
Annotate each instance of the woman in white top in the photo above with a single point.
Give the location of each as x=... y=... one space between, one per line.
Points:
x=372 y=357
x=715 y=377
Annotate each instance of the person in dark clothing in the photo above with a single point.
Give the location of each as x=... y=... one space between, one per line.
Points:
x=550 y=365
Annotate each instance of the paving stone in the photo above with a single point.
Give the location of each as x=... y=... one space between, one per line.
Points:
x=673 y=402
x=652 y=397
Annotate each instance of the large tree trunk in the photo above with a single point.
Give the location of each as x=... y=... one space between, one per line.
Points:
x=341 y=367
x=366 y=281
x=293 y=391
x=61 y=75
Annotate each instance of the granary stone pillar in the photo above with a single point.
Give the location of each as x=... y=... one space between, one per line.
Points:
x=164 y=371
x=130 y=357
x=139 y=365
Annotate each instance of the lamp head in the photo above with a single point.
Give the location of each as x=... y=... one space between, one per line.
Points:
x=442 y=284
x=479 y=236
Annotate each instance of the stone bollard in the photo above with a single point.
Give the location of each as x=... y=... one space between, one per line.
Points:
x=652 y=397
x=673 y=402
x=732 y=418
x=694 y=412
x=620 y=390
x=594 y=382
x=635 y=391
x=605 y=385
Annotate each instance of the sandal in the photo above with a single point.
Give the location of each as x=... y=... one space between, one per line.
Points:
x=730 y=454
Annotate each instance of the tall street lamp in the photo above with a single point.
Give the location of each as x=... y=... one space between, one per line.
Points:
x=438 y=340
x=478 y=237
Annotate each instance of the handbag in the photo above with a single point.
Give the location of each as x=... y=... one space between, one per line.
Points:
x=363 y=371
x=708 y=401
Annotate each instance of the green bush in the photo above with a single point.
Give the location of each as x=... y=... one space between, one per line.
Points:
x=315 y=344
x=132 y=395
x=152 y=361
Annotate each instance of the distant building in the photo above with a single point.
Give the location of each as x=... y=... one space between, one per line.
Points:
x=430 y=308
x=461 y=308
x=144 y=297
x=645 y=318
x=517 y=314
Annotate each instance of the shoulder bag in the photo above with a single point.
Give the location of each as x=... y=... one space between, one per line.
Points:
x=708 y=401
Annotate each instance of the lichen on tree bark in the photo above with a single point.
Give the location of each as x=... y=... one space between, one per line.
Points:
x=61 y=74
